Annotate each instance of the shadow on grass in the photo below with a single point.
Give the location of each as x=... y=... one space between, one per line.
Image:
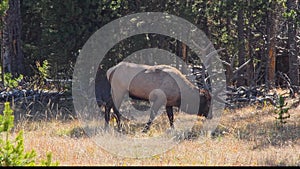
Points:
x=262 y=133
x=270 y=134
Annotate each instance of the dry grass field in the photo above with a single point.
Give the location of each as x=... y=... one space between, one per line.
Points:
x=248 y=136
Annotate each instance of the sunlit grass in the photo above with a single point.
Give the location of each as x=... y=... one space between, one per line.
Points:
x=246 y=136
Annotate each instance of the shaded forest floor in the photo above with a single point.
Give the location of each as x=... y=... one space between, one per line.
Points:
x=248 y=136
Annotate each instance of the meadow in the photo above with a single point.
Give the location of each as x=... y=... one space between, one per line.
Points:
x=248 y=136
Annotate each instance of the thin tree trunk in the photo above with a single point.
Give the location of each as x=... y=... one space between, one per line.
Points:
x=13 y=59
x=2 y=59
x=292 y=51
x=271 y=49
x=250 y=67
x=229 y=69
x=184 y=55
x=202 y=19
x=241 y=45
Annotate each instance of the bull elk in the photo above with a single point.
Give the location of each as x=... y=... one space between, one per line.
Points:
x=159 y=84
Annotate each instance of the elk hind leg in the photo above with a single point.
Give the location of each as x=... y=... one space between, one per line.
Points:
x=118 y=115
x=170 y=114
x=158 y=98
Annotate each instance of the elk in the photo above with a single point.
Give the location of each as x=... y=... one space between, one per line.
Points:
x=162 y=85
x=104 y=98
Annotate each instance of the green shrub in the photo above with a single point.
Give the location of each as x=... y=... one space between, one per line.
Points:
x=12 y=152
x=281 y=110
x=11 y=82
x=43 y=69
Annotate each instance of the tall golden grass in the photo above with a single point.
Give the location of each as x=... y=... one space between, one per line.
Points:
x=249 y=136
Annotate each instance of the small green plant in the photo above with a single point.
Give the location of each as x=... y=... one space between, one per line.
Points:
x=43 y=69
x=41 y=74
x=12 y=152
x=281 y=110
x=11 y=82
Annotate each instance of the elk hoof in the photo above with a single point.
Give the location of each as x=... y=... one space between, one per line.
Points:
x=120 y=129
x=146 y=129
x=106 y=129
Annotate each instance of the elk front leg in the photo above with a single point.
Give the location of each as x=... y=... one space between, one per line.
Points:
x=115 y=103
x=107 y=117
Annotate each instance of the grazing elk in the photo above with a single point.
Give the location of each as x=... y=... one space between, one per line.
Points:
x=161 y=85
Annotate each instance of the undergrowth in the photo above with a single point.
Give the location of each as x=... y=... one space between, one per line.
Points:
x=12 y=150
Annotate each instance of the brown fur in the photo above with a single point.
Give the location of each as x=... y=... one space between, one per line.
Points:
x=160 y=84
x=145 y=82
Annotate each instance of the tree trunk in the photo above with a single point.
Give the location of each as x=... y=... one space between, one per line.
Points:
x=271 y=44
x=292 y=51
x=184 y=54
x=202 y=19
x=229 y=69
x=13 y=59
x=250 y=67
x=241 y=45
